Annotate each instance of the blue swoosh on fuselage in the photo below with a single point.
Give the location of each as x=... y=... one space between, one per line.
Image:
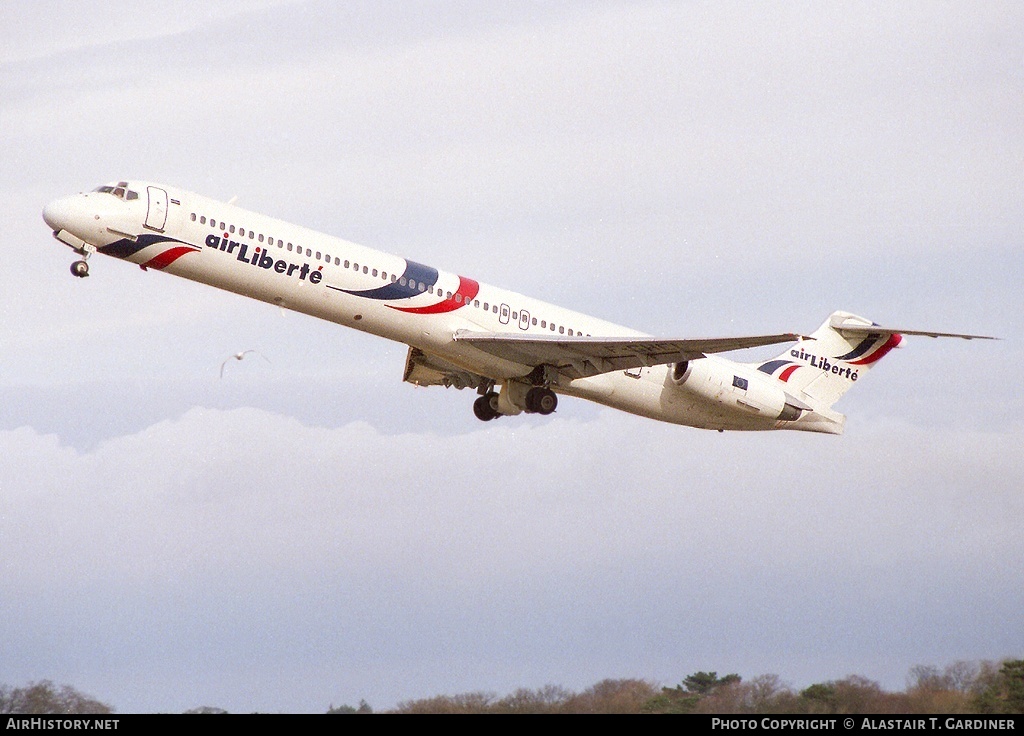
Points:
x=414 y=272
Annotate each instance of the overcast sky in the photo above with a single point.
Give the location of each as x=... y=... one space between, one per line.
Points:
x=309 y=530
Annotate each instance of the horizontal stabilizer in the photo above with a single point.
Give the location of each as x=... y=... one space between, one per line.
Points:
x=845 y=323
x=581 y=357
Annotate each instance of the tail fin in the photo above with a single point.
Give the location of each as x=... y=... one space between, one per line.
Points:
x=826 y=365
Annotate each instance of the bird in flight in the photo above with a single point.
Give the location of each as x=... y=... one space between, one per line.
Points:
x=239 y=356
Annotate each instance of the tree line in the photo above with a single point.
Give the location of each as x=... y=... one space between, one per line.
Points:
x=963 y=688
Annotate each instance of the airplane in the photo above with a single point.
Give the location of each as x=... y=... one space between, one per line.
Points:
x=518 y=353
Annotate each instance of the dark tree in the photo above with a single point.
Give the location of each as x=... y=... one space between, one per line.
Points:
x=1002 y=691
x=702 y=683
x=44 y=697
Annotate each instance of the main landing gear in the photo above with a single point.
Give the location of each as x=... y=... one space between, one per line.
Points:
x=538 y=400
x=486 y=407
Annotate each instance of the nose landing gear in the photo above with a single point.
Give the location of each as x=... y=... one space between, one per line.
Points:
x=80 y=269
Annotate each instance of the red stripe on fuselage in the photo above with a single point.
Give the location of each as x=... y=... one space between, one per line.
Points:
x=468 y=289
x=165 y=259
x=784 y=376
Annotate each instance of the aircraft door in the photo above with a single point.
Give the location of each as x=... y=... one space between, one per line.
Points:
x=504 y=314
x=156 y=216
x=524 y=320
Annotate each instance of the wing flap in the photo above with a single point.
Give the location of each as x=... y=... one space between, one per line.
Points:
x=423 y=369
x=582 y=357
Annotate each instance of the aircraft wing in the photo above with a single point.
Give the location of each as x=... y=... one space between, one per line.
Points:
x=847 y=324
x=582 y=357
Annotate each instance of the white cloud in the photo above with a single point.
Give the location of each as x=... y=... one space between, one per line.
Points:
x=223 y=529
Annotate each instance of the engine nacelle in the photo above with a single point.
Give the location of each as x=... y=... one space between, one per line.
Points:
x=734 y=390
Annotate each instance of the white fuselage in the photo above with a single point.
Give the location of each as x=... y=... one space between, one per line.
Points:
x=231 y=248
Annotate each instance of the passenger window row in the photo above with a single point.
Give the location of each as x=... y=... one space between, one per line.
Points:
x=383 y=275
x=268 y=239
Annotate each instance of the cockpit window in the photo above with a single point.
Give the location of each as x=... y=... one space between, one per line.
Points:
x=120 y=190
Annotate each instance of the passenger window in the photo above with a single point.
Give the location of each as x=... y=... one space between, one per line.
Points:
x=261 y=238
x=534 y=321
x=561 y=330
x=543 y=323
x=374 y=272
x=193 y=217
x=232 y=229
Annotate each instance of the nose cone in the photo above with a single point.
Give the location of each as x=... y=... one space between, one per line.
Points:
x=60 y=213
